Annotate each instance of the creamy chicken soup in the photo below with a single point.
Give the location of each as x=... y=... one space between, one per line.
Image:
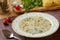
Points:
x=35 y=25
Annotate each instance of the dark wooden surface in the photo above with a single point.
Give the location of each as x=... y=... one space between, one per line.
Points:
x=55 y=36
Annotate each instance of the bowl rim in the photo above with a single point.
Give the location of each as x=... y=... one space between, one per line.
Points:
x=52 y=30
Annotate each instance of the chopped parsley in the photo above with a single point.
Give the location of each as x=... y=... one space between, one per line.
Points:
x=29 y=4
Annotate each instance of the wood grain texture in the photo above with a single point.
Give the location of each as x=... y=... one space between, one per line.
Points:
x=14 y=12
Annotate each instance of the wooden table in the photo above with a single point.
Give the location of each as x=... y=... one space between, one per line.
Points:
x=55 y=36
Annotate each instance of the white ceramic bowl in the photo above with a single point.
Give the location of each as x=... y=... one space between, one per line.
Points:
x=52 y=19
